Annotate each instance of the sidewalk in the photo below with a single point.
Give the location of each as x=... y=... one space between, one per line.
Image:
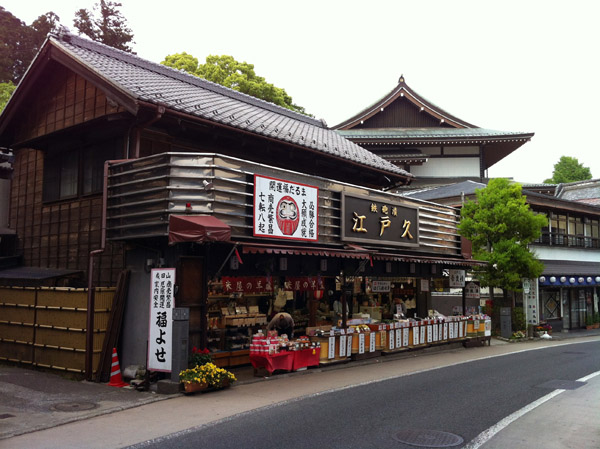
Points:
x=44 y=410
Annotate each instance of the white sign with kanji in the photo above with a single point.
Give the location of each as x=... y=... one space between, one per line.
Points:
x=160 y=331
x=285 y=210
x=457 y=278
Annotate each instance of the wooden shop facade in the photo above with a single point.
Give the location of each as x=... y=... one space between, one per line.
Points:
x=123 y=165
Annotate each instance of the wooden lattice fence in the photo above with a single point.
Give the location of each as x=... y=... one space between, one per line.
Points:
x=46 y=327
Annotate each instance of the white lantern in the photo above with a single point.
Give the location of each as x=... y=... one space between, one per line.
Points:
x=581 y=280
x=598 y=279
x=563 y=279
x=542 y=279
x=552 y=279
x=572 y=280
x=589 y=280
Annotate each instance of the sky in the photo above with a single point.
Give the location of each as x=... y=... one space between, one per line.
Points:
x=519 y=66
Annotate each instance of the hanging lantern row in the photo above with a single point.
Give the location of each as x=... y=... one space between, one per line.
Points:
x=569 y=280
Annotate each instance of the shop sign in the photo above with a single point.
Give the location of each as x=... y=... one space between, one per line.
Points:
x=247 y=284
x=161 y=322
x=303 y=283
x=530 y=301
x=472 y=291
x=285 y=210
x=384 y=222
x=457 y=278
x=381 y=286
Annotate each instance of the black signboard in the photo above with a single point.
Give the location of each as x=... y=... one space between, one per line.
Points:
x=379 y=222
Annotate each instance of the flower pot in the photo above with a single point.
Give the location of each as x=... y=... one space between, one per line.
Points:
x=194 y=387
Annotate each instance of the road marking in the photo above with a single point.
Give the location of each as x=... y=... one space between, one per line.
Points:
x=487 y=434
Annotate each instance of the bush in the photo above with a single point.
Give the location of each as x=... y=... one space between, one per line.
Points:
x=519 y=321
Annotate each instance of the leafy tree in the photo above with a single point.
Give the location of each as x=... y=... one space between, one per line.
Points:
x=20 y=42
x=105 y=24
x=500 y=226
x=568 y=169
x=240 y=76
x=6 y=89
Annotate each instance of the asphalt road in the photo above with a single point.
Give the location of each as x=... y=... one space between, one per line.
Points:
x=461 y=401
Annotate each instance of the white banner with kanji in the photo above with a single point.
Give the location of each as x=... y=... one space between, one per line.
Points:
x=162 y=301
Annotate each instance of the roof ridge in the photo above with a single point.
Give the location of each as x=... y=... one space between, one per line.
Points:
x=181 y=75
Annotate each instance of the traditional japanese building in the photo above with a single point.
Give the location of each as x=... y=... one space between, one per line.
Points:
x=567 y=293
x=219 y=202
x=437 y=147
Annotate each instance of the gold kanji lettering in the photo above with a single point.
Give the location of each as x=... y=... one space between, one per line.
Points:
x=406 y=227
x=394 y=211
x=373 y=207
x=358 y=222
x=385 y=222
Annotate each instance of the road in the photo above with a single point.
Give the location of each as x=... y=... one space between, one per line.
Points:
x=461 y=400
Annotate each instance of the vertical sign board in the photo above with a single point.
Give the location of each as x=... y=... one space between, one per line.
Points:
x=160 y=339
x=285 y=210
x=530 y=301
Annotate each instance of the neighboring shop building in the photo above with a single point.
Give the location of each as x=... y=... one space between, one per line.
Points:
x=437 y=147
x=225 y=204
x=567 y=292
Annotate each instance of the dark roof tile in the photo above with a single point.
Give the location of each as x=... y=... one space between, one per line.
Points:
x=154 y=83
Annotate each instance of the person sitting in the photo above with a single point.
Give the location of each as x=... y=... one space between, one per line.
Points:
x=283 y=323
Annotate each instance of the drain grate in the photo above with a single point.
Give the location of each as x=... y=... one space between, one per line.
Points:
x=6 y=415
x=73 y=406
x=558 y=384
x=428 y=438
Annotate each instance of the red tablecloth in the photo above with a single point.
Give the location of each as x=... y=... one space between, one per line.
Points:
x=306 y=357
x=287 y=360
x=272 y=362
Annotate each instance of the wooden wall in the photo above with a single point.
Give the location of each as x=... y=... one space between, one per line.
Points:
x=59 y=234
x=46 y=327
x=401 y=114
x=66 y=99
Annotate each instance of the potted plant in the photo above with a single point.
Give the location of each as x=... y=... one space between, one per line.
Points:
x=199 y=357
x=589 y=321
x=206 y=377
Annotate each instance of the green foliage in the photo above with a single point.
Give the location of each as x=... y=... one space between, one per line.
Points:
x=519 y=321
x=105 y=24
x=228 y=72
x=500 y=226
x=19 y=42
x=569 y=169
x=6 y=90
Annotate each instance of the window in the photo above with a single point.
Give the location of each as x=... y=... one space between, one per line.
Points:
x=73 y=172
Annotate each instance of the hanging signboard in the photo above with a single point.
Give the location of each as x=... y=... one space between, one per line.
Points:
x=457 y=278
x=285 y=210
x=381 y=286
x=376 y=221
x=472 y=291
x=161 y=322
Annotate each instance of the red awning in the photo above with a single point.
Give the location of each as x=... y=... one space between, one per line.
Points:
x=197 y=228
x=257 y=248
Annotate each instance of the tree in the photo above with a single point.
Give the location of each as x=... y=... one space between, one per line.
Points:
x=20 y=42
x=228 y=72
x=568 y=169
x=6 y=90
x=105 y=24
x=500 y=226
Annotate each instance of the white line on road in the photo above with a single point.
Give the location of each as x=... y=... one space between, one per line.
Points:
x=487 y=434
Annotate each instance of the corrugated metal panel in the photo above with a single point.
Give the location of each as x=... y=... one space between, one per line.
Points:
x=143 y=193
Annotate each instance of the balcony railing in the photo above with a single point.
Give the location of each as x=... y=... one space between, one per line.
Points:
x=568 y=240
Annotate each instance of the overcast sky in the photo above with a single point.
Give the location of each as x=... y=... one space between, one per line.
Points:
x=527 y=65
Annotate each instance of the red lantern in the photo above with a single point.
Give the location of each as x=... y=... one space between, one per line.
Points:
x=318 y=294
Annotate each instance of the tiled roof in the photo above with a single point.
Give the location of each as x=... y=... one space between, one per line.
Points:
x=154 y=83
x=432 y=133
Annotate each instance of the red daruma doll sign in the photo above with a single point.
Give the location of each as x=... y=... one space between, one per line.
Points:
x=284 y=209
x=287 y=215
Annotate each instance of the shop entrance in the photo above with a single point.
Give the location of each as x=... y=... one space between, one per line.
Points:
x=191 y=279
x=574 y=307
